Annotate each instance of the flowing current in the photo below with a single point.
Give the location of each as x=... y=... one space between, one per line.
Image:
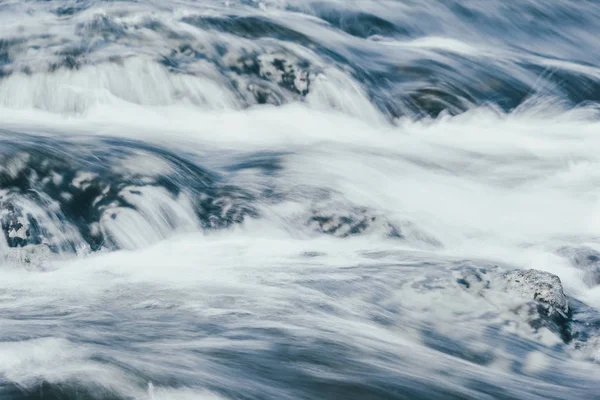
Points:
x=298 y=199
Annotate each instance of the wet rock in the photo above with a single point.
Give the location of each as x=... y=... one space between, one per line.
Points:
x=19 y=226
x=532 y=296
x=546 y=305
x=540 y=286
x=273 y=77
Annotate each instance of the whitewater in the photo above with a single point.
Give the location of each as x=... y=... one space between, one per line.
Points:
x=298 y=199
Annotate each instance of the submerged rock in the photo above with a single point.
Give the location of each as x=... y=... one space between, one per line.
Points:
x=96 y=193
x=350 y=222
x=585 y=259
x=475 y=280
x=31 y=256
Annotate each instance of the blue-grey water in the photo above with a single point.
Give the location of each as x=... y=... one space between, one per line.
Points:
x=298 y=199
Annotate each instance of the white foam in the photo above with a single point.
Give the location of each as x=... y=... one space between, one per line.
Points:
x=156 y=215
x=137 y=81
x=485 y=185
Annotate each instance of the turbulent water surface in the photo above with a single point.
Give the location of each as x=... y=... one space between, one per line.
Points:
x=298 y=199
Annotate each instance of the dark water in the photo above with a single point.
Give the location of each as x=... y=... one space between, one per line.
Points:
x=299 y=199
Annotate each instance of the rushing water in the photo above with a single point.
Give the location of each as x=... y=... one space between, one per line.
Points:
x=298 y=199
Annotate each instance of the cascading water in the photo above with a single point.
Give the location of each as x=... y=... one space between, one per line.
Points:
x=297 y=199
